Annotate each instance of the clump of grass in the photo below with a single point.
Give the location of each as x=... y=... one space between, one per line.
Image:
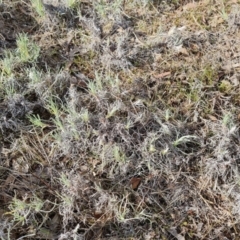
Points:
x=10 y=87
x=56 y=111
x=225 y=86
x=27 y=51
x=107 y=10
x=21 y=210
x=113 y=109
x=37 y=121
x=118 y=154
x=208 y=75
x=35 y=76
x=84 y=115
x=7 y=64
x=227 y=121
x=38 y=7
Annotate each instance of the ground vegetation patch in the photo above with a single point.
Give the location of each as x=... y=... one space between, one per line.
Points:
x=119 y=119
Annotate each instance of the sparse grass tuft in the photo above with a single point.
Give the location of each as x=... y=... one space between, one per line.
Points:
x=38 y=7
x=37 y=122
x=27 y=51
x=7 y=64
x=184 y=139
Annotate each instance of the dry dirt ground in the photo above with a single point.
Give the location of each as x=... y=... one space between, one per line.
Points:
x=120 y=119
